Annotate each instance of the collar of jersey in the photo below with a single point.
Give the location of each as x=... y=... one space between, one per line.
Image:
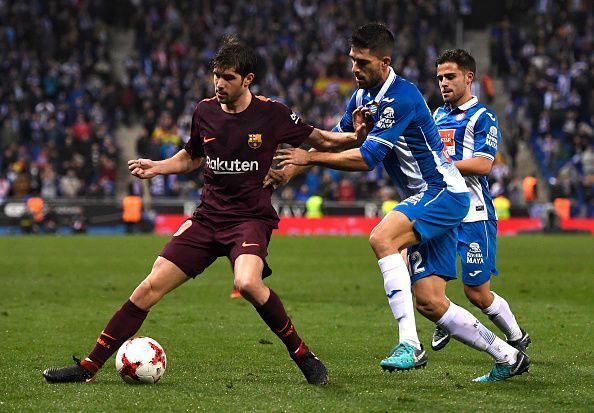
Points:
x=385 y=86
x=473 y=101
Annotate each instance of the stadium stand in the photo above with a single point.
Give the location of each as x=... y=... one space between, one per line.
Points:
x=546 y=59
x=61 y=101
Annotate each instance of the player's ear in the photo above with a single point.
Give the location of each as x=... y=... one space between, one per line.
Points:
x=248 y=79
x=386 y=61
x=469 y=77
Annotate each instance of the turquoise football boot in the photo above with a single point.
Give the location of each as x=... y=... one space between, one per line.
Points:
x=503 y=371
x=404 y=357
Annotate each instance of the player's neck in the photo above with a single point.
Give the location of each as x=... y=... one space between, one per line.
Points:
x=239 y=105
x=385 y=75
x=465 y=98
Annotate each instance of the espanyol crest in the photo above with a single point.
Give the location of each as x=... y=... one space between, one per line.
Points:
x=372 y=106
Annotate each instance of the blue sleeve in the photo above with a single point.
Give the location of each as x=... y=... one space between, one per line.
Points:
x=346 y=123
x=394 y=118
x=486 y=136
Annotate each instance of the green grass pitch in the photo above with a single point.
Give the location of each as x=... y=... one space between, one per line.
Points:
x=58 y=293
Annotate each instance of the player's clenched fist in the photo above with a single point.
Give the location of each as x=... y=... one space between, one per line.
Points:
x=143 y=168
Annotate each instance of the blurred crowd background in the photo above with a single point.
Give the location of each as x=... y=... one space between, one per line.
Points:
x=63 y=100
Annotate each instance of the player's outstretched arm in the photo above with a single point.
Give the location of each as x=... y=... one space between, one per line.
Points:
x=350 y=160
x=474 y=166
x=326 y=141
x=179 y=163
x=280 y=177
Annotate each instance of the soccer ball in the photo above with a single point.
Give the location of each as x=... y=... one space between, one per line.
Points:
x=141 y=360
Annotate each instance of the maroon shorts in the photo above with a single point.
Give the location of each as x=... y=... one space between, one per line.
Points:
x=198 y=243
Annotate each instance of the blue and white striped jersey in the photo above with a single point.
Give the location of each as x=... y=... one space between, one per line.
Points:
x=468 y=131
x=404 y=138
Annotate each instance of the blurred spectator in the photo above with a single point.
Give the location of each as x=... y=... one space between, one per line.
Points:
x=56 y=84
x=70 y=184
x=61 y=102
x=387 y=197
x=304 y=63
x=488 y=88
x=346 y=191
x=529 y=186
x=545 y=56
x=313 y=207
x=132 y=213
x=502 y=207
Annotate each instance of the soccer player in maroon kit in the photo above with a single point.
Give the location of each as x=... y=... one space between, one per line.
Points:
x=237 y=134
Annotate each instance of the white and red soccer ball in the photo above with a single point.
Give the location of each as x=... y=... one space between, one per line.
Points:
x=141 y=360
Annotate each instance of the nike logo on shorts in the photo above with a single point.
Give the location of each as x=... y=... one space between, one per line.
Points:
x=245 y=244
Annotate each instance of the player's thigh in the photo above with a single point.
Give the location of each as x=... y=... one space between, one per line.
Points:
x=164 y=277
x=434 y=211
x=247 y=270
x=193 y=247
x=247 y=238
x=477 y=250
x=430 y=290
x=395 y=228
x=436 y=256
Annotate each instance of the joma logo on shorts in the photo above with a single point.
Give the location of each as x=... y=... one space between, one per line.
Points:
x=236 y=166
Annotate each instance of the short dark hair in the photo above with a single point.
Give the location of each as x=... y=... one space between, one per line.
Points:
x=461 y=57
x=373 y=36
x=235 y=55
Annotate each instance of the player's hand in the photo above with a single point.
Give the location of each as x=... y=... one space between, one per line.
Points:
x=143 y=168
x=292 y=156
x=277 y=177
x=361 y=133
x=362 y=116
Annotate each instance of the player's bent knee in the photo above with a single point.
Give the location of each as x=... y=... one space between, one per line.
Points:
x=145 y=295
x=154 y=286
x=386 y=241
x=431 y=306
x=426 y=307
x=481 y=298
x=382 y=244
x=248 y=286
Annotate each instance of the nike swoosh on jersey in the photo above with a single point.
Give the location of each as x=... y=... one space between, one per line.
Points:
x=245 y=244
x=207 y=139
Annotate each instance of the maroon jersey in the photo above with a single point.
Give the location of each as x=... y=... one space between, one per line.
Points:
x=239 y=148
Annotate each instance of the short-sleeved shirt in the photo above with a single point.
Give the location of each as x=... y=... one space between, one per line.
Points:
x=238 y=149
x=468 y=131
x=404 y=138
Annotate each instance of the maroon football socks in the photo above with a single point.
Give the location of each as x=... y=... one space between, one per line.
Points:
x=123 y=325
x=274 y=315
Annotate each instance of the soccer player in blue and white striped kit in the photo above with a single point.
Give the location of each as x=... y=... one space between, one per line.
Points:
x=471 y=135
x=405 y=139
